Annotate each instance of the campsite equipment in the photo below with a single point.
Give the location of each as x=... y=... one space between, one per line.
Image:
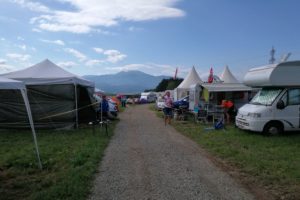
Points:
x=58 y=99
x=17 y=90
x=276 y=107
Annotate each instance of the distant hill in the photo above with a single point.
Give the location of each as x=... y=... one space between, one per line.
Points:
x=125 y=82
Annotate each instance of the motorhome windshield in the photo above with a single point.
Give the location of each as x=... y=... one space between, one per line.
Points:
x=266 y=96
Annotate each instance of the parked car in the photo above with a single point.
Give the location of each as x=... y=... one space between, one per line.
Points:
x=182 y=103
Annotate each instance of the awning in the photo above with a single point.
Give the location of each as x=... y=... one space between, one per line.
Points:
x=226 y=87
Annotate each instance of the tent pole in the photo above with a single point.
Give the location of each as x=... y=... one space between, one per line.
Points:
x=76 y=105
x=24 y=94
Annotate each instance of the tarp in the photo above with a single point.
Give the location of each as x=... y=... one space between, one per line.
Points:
x=58 y=99
x=227 y=76
x=11 y=86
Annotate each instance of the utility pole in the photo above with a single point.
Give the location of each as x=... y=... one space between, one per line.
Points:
x=272 y=59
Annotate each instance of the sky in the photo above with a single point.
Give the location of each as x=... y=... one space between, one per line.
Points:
x=94 y=37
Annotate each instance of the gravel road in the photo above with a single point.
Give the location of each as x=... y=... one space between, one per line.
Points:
x=148 y=160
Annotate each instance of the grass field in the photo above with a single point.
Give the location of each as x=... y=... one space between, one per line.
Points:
x=272 y=163
x=69 y=158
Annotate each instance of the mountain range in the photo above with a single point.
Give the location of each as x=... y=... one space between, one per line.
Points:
x=125 y=81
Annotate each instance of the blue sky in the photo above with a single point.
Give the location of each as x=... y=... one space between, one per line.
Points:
x=154 y=36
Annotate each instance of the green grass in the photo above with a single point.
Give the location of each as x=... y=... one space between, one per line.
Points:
x=69 y=158
x=269 y=162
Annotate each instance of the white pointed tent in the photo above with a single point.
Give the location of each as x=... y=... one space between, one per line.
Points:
x=7 y=85
x=54 y=94
x=229 y=83
x=227 y=76
x=191 y=79
x=228 y=88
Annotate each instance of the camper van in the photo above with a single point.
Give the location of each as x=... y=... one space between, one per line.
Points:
x=149 y=96
x=276 y=107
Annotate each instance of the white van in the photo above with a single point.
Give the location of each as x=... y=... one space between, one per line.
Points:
x=149 y=96
x=276 y=107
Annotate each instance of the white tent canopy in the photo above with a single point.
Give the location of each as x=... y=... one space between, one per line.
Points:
x=53 y=91
x=8 y=84
x=46 y=72
x=191 y=79
x=227 y=76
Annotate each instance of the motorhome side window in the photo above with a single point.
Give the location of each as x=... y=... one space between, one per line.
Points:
x=285 y=99
x=294 y=96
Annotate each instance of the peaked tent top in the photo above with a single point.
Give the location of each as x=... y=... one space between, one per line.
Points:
x=227 y=76
x=191 y=79
x=6 y=84
x=46 y=72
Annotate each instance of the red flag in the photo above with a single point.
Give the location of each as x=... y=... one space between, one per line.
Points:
x=175 y=76
x=211 y=76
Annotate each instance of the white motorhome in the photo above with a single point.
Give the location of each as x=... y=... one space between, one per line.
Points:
x=276 y=107
x=149 y=96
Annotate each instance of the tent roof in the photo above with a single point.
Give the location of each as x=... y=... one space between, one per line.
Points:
x=225 y=87
x=6 y=84
x=190 y=79
x=46 y=72
x=227 y=76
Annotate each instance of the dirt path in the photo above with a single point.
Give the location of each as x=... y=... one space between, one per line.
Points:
x=148 y=160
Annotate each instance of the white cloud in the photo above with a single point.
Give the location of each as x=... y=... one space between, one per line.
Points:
x=133 y=28
x=2 y=61
x=36 y=30
x=57 y=42
x=67 y=64
x=76 y=53
x=98 y=50
x=20 y=38
x=90 y=14
x=4 y=67
x=33 y=6
x=65 y=28
x=94 y=62
x=2 y=39
x=23 y=47
x=114 y=56
x=18 y=57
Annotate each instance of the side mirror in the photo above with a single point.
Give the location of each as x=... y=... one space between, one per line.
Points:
x=280 y=105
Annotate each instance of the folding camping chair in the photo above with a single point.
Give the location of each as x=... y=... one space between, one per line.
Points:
x=202 y=116
x=218 y=114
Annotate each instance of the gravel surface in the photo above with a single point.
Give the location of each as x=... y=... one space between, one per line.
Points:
x=148 y=160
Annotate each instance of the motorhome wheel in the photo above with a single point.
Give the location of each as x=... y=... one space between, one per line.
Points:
x=273 y=128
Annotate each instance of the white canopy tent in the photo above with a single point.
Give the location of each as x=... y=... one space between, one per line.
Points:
x=52 y=91
x=191 y=79
x=227 y=76
x=8 y=84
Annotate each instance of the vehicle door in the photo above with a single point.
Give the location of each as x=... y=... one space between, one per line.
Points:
x=290 y=114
